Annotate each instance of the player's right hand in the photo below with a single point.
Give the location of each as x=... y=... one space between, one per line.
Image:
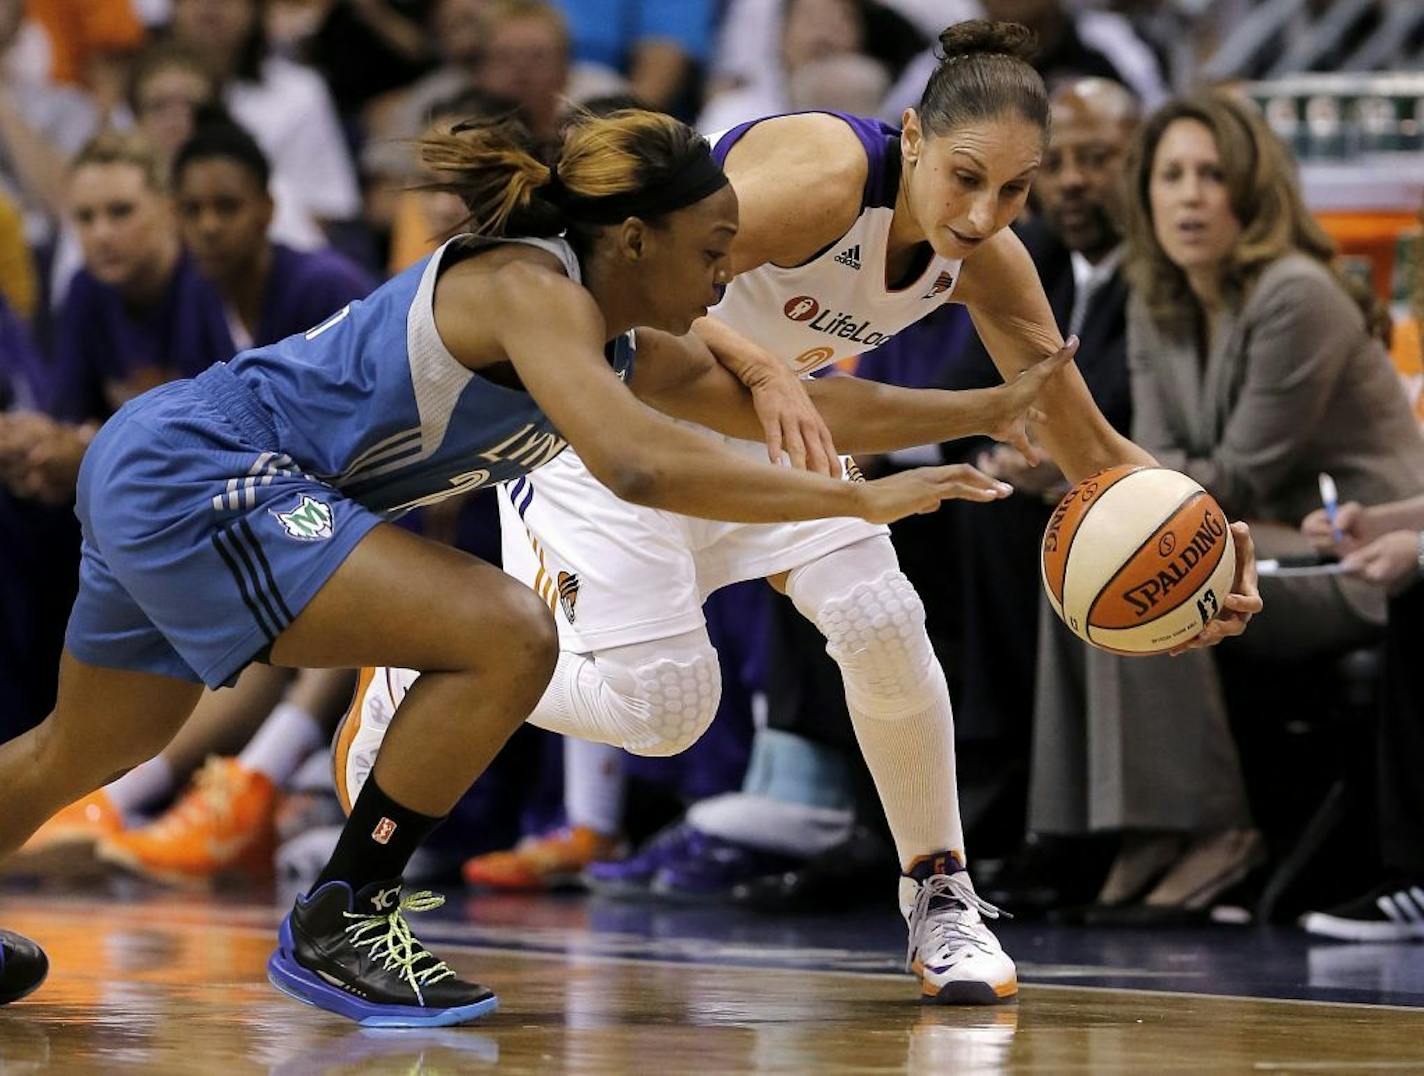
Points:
x=922 y=489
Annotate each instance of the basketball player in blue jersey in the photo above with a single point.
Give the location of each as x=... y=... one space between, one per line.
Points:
x=850 y=231
x=238 y=516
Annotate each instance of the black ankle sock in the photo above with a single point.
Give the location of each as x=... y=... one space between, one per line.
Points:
x=378 y=841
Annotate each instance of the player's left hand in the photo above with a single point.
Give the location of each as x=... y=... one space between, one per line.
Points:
x=1238 y=607
x=793 y=425
x=1391 y=561
x=1014 y=410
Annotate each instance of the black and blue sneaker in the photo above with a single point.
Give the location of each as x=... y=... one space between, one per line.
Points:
x=354 y=954
x=23 y=966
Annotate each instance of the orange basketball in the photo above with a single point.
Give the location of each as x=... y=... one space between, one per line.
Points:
x=1137 y=560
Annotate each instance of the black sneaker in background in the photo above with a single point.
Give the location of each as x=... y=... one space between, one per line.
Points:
x=1051 y=873
x=354 y=954
x=1393 y=911
x=23 y=966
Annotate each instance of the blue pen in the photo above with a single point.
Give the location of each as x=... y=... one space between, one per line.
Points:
x=1330 y=497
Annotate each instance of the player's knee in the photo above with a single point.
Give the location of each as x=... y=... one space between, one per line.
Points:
x=512 y=632
x=673 y=703
x=876 y=633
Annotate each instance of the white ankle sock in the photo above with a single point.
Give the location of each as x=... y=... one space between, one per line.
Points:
x=283 y=743
x=593 y=786
x=141 y=787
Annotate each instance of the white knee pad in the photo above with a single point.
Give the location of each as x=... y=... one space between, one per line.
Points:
x=874 y=624
x=653 y=698
x=676 y=699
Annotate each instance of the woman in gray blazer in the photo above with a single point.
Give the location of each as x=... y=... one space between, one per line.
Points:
x=1253 y=370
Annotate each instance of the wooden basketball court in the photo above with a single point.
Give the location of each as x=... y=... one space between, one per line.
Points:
x=173 y=984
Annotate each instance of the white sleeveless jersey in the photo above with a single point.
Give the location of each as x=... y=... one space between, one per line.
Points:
x=836 y=305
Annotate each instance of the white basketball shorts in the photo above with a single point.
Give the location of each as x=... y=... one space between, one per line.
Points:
x=616 y=573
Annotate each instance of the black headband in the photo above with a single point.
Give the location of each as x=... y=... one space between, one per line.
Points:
x=697 y=177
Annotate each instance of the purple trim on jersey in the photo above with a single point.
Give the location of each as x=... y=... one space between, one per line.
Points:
x=882 y=152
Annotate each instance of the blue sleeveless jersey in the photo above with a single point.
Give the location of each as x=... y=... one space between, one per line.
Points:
x=373 y=403
x=214 y=510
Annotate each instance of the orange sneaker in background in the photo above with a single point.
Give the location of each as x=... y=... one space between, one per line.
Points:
x=66 y=842
x=548 y=862
x=225 y=822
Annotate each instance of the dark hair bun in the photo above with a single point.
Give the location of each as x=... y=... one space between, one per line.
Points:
x=981 y=36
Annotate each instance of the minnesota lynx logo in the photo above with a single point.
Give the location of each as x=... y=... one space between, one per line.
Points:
x=568 y=593
x=309 y=521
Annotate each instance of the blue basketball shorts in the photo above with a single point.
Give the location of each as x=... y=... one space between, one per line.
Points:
x=202 y=539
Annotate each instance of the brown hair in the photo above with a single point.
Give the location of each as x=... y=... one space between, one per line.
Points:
x=161 y=57
x=983 y=72
x=496 y=166
x=1265 y=199
x=125 y=147
x=498 y=12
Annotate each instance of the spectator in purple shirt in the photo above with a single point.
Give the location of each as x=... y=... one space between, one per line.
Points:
x=138 y=313
x=266 y=291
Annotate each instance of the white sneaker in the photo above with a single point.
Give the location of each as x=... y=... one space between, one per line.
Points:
x=359 y=736
x=957 y=957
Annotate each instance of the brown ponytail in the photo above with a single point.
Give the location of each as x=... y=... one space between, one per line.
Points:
x=497 y=169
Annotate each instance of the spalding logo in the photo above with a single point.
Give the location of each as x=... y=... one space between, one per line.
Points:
x=1145 y=595
x=1050 y=537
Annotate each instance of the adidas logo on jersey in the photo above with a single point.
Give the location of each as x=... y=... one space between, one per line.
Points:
x=850 y=256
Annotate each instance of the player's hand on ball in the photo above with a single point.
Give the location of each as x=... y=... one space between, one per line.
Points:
x=1014 y=410
x=1238 y=607
x=922 y=489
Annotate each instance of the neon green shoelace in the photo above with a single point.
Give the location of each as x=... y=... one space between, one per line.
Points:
x=399 y=947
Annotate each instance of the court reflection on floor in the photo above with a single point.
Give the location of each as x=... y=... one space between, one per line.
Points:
x=174 y=986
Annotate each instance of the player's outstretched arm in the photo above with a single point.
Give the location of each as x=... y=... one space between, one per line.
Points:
x=1001 y=288
x=553 y=333
x=679 y=377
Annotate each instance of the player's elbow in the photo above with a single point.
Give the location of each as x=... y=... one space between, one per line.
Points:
x=635 y=480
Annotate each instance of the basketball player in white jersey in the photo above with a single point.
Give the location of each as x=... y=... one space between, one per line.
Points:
x=850 y=231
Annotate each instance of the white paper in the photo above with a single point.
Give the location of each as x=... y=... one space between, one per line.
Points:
x=1274 y=568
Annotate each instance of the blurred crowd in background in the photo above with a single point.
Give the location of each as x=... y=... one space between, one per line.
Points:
x=182 y=179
